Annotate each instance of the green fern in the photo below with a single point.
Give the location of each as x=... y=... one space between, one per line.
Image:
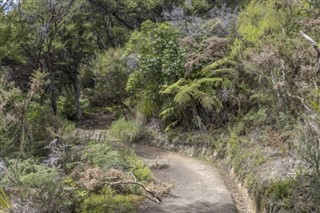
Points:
x=187 y=95
x=166 y=113
x=173 y=87
x=209 y=81
x=217 y=64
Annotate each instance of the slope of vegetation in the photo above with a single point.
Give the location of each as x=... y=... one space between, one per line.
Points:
x=239 y=77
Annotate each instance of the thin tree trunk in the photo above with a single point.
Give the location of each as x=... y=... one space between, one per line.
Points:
x=54 y=99
x=77 y=91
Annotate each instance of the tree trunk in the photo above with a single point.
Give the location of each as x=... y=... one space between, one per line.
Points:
x=54 y=99
x=77 y=105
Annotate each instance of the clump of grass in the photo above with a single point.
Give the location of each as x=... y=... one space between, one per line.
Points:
x=126 y=131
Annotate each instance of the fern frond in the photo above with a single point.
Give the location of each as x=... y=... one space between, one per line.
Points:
x=186 y=93
x=208 y=102
x=209 y=81
x=170 y=126
x=166 y=113
x=218 y=63
x=225 y=72
x=173 y=87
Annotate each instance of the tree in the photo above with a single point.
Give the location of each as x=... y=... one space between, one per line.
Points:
x=40 y=24
x=161 y=60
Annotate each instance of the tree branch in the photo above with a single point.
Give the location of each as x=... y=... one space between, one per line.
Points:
x=314 y=44
x=155 y=195
x=311 y=41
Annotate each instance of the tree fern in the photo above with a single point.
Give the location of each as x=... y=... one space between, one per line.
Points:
x=208 y=102
x=173 y=87
x=209 y=81
x=188 y=95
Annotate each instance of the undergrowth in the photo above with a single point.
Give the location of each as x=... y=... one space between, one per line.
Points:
x=126 y=131
x=82 y=186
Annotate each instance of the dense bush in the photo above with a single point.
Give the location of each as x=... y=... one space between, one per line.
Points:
x=161 y=62
x=109 y=74
x=39 y=186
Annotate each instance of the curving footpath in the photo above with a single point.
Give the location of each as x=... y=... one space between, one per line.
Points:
x=197 y=185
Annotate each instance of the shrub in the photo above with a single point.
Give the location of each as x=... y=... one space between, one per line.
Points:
x=161 y=61
x=37 y=185
x=103 y=155
x=126 y=131
x=260 y=19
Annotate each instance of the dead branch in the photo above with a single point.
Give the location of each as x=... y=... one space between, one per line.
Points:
x=155 y=195
x=314 y=44
x=311 y=41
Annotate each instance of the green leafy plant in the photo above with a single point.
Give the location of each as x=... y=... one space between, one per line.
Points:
x=37 y=184
x=109 y=201
x=187 y=95
x=126 y=131
x=160 y=60
x=260 y=18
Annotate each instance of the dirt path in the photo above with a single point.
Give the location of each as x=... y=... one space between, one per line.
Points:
x=198 y=186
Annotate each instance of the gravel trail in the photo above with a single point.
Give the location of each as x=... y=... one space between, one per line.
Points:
x=198 y=186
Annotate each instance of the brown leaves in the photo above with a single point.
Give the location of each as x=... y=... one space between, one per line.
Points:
x=200 y=53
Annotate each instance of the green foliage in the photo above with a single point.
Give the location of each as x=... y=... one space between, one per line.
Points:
x=66 y=107
x=103 y=155
x=281 y=189
x=260 y=18
x=107 y=202
x=126 y=131
x=38 y=184
x=4 y=200
x=160 y=57
x=109 y=73
x=198 y=6
x=188 y=95
x=106 y=157
x=313 y=3
x=138 y=168
x=22 y=115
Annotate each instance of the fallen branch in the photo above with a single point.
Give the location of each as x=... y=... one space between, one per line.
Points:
x=314 y=44
x=155 y=195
